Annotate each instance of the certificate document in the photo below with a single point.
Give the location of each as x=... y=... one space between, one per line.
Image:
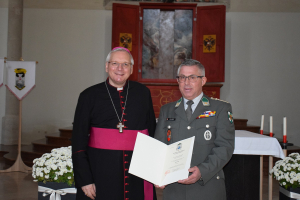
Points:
x=159 y=163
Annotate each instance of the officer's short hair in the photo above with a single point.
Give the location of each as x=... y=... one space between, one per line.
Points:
x=191 y=62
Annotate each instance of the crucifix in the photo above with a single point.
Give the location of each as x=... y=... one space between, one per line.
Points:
x=120 y=126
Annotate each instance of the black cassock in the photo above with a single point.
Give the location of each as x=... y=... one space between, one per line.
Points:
x=108 y=169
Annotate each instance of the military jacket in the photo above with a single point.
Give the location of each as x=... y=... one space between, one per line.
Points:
x=212 y=125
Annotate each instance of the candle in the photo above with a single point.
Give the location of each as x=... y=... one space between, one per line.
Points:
x=262 y=124
x=284 y=130
x=271 y=126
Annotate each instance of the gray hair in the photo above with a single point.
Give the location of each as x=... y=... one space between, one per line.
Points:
x=119 y=49
x=191 y=62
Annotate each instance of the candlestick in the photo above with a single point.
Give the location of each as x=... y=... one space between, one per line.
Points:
x=262 y=124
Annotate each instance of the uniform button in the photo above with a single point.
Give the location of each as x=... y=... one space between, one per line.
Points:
x=126 y=169
x=126 y=191
x=188 y=127
x=218 y=177
x=207 y=125
x=126 y=162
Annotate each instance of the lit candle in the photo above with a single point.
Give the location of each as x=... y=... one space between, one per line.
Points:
x=271 y=126
x=284 y=130
x=262 y=124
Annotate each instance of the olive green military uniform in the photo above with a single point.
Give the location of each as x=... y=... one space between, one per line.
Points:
x=210 y=153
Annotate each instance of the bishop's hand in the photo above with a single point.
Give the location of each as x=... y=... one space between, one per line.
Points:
x=89 y=190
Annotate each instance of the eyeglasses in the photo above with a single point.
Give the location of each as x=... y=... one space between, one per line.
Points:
x=116 y=64
x=191 y=78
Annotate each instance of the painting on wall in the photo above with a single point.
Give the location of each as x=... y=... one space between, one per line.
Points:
x=167 y=41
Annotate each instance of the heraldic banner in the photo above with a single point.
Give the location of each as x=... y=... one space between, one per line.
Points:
x=20 y=77
x=1 y=71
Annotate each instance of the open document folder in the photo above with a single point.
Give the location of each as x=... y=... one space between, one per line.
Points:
x=159 y=163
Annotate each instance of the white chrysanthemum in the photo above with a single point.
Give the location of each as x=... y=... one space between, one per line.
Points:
x=54 y=167
x=59 y=160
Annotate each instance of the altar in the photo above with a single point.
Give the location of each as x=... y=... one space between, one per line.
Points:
x=242 y=172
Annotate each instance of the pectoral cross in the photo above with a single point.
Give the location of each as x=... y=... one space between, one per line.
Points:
x=120 y=126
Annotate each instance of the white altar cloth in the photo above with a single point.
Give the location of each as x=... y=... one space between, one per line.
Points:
x=247 y=142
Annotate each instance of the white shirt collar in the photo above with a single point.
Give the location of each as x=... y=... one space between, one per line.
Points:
x=196 y=102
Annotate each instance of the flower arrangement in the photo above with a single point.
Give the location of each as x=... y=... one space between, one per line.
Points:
x=56 y=166
x=287 y=171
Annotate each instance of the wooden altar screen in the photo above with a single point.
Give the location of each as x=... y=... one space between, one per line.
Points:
x=208 y=27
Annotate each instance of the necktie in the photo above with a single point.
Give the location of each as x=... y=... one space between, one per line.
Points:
x=189 y=111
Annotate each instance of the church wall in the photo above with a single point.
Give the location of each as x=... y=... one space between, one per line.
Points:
x=262 y=69
x=3 y=53
x=71 y=45
x=71 y=48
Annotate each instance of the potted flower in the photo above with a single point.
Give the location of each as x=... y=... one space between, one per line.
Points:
x=287 y=172
x=54 y=174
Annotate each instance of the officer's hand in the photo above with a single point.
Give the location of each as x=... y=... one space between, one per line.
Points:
x=89 y=190
x=193 y=178
x=161 y=187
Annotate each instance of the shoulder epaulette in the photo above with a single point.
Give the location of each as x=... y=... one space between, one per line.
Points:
x=219 y=99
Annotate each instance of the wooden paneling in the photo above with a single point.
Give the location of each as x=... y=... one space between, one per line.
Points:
x=211 y=21
x=126 y=20
x=165 y=93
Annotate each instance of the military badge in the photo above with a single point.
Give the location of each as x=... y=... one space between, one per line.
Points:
x=207 y=114
x=209 y=43
x=20 y=78
x=178 y=102
x=207 y=135
x=169 y=133
x=205 y=101
x=230 y=117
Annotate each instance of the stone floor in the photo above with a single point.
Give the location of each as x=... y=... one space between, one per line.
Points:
x=20 y=186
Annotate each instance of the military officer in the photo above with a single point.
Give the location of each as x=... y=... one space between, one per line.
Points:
x=210 y=121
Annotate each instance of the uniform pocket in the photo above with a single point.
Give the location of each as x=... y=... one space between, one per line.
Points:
x=205 y=133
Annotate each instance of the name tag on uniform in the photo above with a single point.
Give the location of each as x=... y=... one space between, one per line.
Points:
x=171 y=119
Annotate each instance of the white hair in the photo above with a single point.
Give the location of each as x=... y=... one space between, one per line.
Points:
x=119 y=49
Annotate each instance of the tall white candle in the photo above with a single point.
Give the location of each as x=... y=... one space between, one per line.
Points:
x=262 y=124
x=284 y=126
x=271 y=124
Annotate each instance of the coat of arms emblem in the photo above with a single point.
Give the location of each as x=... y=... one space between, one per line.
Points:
x=209 y=43
x=20 y=78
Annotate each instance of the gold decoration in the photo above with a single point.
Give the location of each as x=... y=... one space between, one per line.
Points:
x=20 y=70
x=126 y=40
x=209 y=43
